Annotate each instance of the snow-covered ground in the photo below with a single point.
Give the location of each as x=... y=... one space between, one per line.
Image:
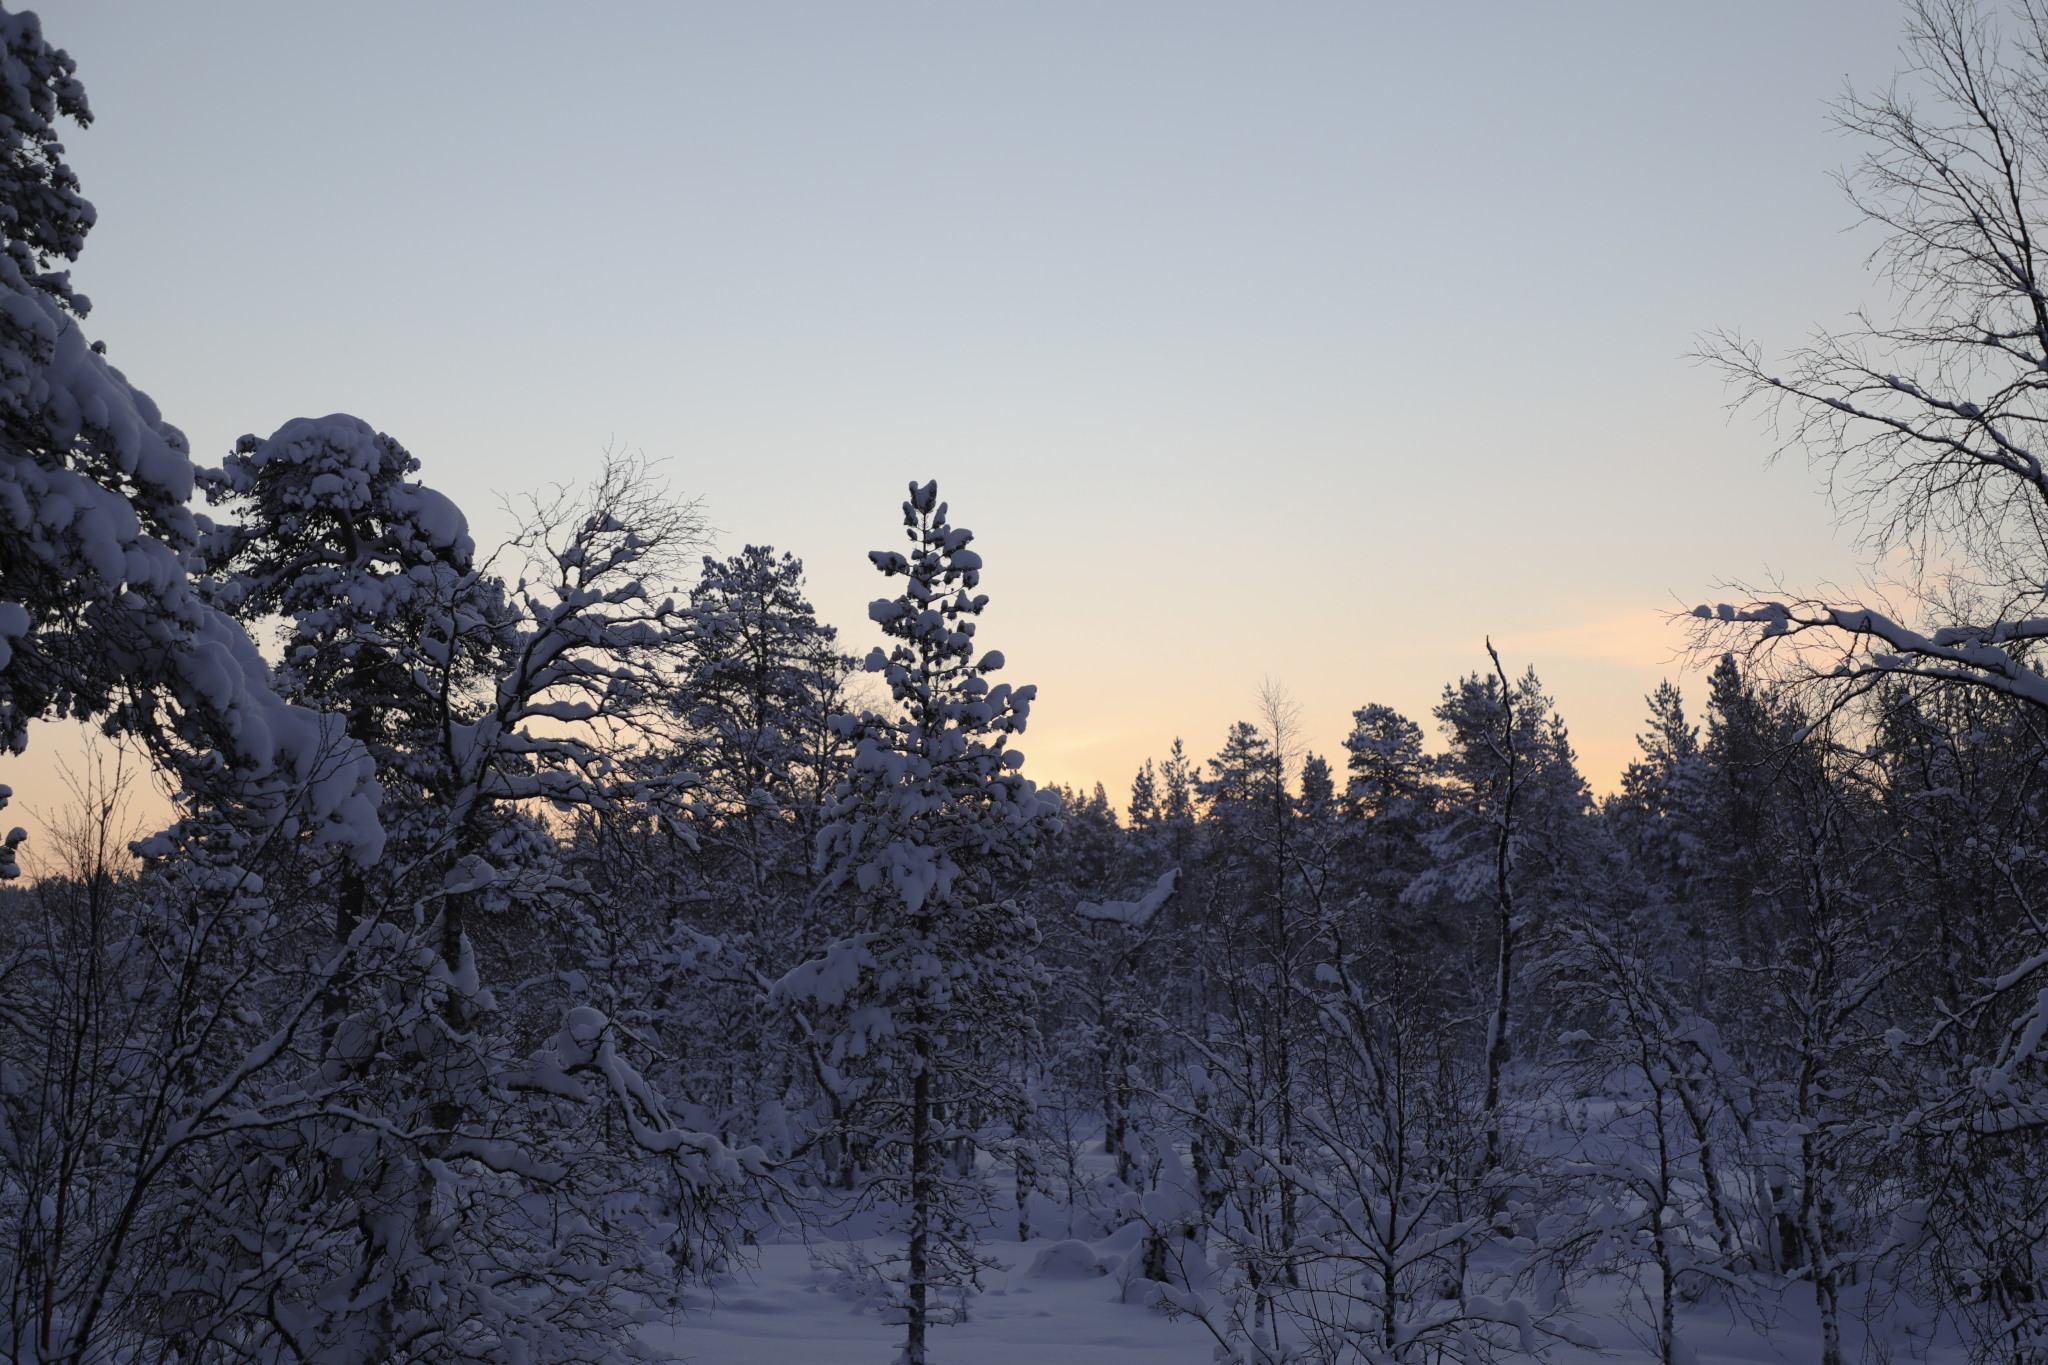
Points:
x=784 y=1311
x=780 y=1315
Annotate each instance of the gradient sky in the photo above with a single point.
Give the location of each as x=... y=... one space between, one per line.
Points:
x=1309 y=342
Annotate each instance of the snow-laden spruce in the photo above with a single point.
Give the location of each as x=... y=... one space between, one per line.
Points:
x=98 y=616
x=916 y=1016
x=474 y=1162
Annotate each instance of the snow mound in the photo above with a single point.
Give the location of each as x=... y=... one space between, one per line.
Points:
x=1067 y=1261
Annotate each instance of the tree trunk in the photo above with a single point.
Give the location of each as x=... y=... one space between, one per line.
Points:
x=1027 y=1174
x=1820 y=1246
x=921 y=1197
x=1497 y=1026
x=1504 y=903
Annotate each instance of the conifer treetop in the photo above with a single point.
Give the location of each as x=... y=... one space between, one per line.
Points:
x=935 y=789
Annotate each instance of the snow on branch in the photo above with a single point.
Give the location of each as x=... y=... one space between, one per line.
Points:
x=1135 y=914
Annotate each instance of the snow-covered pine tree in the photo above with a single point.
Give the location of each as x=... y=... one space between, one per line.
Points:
x=1259 y=949
x=931 y=990
x=330 y=534
x=1102 y=893
x=1966 y=806
x=1144 y=807
x=1177 y=778
x=1668 y=746
x=453 y=1171
x=98 y=617
x=1658 y=820
x=1389 y=771
x=760 y=678
x=1389 y=804
x=700 y=913
x=1506 y=841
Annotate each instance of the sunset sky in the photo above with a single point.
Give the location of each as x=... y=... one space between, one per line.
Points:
x=1302 y=342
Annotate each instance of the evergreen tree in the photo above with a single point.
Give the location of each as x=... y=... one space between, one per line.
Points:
x=98 y=617
x=1390 y=803
x=1509 y=839
x=937 y=978
x=1177 y=775
x=760 y=678
x=1388 y=769
x=1144 y=807
x=441 y=1154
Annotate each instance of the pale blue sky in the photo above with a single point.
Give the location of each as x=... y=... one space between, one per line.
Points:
x=1311 y=341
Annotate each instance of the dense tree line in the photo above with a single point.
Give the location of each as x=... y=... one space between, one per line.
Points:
x=1422 y=1050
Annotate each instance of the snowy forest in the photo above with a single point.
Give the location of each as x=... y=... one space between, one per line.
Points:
x=550 y=936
